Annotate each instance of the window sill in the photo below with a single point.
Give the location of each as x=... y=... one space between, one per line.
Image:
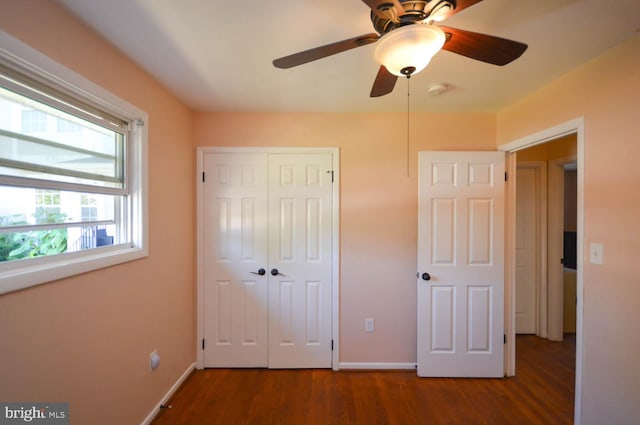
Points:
x=14 y=276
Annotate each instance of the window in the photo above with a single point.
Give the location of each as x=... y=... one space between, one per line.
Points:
x=72 y=173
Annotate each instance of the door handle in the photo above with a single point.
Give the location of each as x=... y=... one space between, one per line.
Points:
x=260 y=272
x=426 y=276
x=275 y=272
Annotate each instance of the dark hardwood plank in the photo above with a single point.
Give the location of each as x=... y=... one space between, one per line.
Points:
x=542 y=392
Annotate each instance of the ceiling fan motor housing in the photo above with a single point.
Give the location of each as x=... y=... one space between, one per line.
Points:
x=415 y=11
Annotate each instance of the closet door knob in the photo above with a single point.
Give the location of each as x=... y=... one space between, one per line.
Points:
x=275 y=272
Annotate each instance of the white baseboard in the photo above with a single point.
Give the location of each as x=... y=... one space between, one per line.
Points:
x=377 y=366
x=168 y=395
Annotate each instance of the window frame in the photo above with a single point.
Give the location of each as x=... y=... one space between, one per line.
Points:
x=21 y=274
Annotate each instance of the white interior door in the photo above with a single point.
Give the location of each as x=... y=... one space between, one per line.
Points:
x=300 y=260
x=555 y=237
x=235 y=249
x=267 y=259
x=461 y=250
x=527 y=258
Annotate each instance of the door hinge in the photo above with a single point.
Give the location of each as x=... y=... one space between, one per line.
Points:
x=203 y=176
x=505 y=338
x=203 y=343
x=506 y=176
x=331 y=345
x=330 y=172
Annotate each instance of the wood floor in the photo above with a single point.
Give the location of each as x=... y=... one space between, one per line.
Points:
x=542 y=392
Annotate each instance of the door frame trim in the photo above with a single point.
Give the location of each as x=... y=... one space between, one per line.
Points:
x=576 y=126
x=335 y=284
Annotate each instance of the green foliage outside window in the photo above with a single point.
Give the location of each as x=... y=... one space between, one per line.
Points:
x=18 y=245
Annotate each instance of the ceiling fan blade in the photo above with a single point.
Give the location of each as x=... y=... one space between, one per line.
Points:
x=381 y=8
x=463 y=4
x=324 y=51
x=384 y=83
x=482 y=47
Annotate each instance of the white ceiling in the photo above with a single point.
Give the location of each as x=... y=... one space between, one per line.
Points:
x=216 y=55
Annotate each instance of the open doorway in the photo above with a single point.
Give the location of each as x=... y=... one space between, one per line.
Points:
x=572 y=127
x=546 y=235
x=546 y=255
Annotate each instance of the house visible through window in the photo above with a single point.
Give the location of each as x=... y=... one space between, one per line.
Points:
x=33 y=121
x=71 y=177
x=64 y=126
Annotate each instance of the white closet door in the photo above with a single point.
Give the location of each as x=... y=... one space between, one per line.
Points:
x=300 y=260
x=235 y=249
x=268 y=272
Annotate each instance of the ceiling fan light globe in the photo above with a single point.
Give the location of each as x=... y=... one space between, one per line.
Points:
x=409 y=46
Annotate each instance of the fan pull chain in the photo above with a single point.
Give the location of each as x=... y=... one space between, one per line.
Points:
x=408 y=128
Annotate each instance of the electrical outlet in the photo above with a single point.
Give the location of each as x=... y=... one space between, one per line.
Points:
x=369 y=325
x=154 y=360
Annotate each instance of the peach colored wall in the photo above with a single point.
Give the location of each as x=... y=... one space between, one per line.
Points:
x=378 y=216
x=87 y=339
x=604 y=91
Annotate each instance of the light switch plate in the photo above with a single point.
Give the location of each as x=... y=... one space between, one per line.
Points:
x=595 y=253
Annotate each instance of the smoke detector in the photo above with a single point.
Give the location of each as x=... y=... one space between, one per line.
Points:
x=437 y=90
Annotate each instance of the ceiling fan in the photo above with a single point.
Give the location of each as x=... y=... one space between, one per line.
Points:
x=407 y=39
